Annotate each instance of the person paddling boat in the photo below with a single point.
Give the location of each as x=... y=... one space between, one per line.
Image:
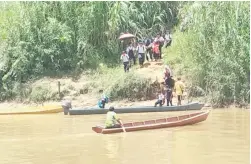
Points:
x=112 y=121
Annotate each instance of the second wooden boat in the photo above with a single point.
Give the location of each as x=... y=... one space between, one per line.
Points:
x=182 y=120
x=136 y=109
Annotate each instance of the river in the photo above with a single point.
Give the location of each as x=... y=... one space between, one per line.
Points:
x=224 y=138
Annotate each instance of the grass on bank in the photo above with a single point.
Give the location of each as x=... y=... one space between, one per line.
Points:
x=113 y=81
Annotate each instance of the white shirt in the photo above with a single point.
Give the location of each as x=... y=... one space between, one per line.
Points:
x=129 y=48
x=141 y=49
x=124 y=58
x=161 y=97
x=66 y=103
x=160 y=39
x=168 y=36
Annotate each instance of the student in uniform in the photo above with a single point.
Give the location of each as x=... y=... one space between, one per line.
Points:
x=160 y=99
x=125 y=58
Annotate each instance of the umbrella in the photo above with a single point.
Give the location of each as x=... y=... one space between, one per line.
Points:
x=126 y=36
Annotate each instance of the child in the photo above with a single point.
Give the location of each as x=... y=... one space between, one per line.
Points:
x=179 y=89
x=104 y=99
x=160 y=99
x=141 y=53
x=125 y=58
x=156 y=51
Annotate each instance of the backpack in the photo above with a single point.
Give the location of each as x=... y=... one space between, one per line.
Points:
x=100 y=104
x=148 y=42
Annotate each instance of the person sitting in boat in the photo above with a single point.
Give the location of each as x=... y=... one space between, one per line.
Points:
x=179 y=89
x=66 y=105
x=112 y=121
x=104 y=100
x=160 y=100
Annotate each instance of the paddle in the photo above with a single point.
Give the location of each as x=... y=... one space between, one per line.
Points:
x=121 y=123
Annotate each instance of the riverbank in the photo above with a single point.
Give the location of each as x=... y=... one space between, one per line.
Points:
x=151 y=71
x=85 y=90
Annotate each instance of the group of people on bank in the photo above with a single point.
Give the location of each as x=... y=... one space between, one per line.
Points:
x=113 y=121
x=171 y=86
x=149 y=49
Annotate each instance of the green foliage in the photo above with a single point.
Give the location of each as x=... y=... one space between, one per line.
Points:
x=41 y=38
x=119 y=85
x=132 y=87
x=216 y=50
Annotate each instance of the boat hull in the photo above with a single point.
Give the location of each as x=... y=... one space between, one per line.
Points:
x=49 y=110
x=140 y=109
x=183 y=120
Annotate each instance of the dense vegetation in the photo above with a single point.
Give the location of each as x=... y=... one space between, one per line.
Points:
x=46 y=38
x=52 y=38
x=214 y=50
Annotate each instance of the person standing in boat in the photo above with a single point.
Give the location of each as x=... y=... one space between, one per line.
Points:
x=169 y=82
x=112 y=121
x=160 y=100
x=66 y=105
x=179 y=89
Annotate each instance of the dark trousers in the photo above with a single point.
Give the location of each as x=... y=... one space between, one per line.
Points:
x=169 y=98
x=160 y=51
x=158 y=102
x=132 y=61
x=141 y=61
x=126 y=66
x=179 y=99
x=149 y=51
x=168 y=43
x=142 y=58
x=114 y=126
x=66 y=110
x=156 y=56
x=103 y=103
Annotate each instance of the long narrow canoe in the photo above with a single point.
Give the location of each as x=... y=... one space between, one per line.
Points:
x=139 y=109
x=182 y=120
x=33 y=110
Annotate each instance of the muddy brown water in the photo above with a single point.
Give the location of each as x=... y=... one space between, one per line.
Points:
x=224 y=138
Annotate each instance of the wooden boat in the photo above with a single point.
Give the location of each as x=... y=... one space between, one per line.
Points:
x=33 y=110
x=182 y=120
x=137 y=109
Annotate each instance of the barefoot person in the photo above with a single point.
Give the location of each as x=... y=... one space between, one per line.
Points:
x=66 y=105
x=112 y=121
x=179 y=89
